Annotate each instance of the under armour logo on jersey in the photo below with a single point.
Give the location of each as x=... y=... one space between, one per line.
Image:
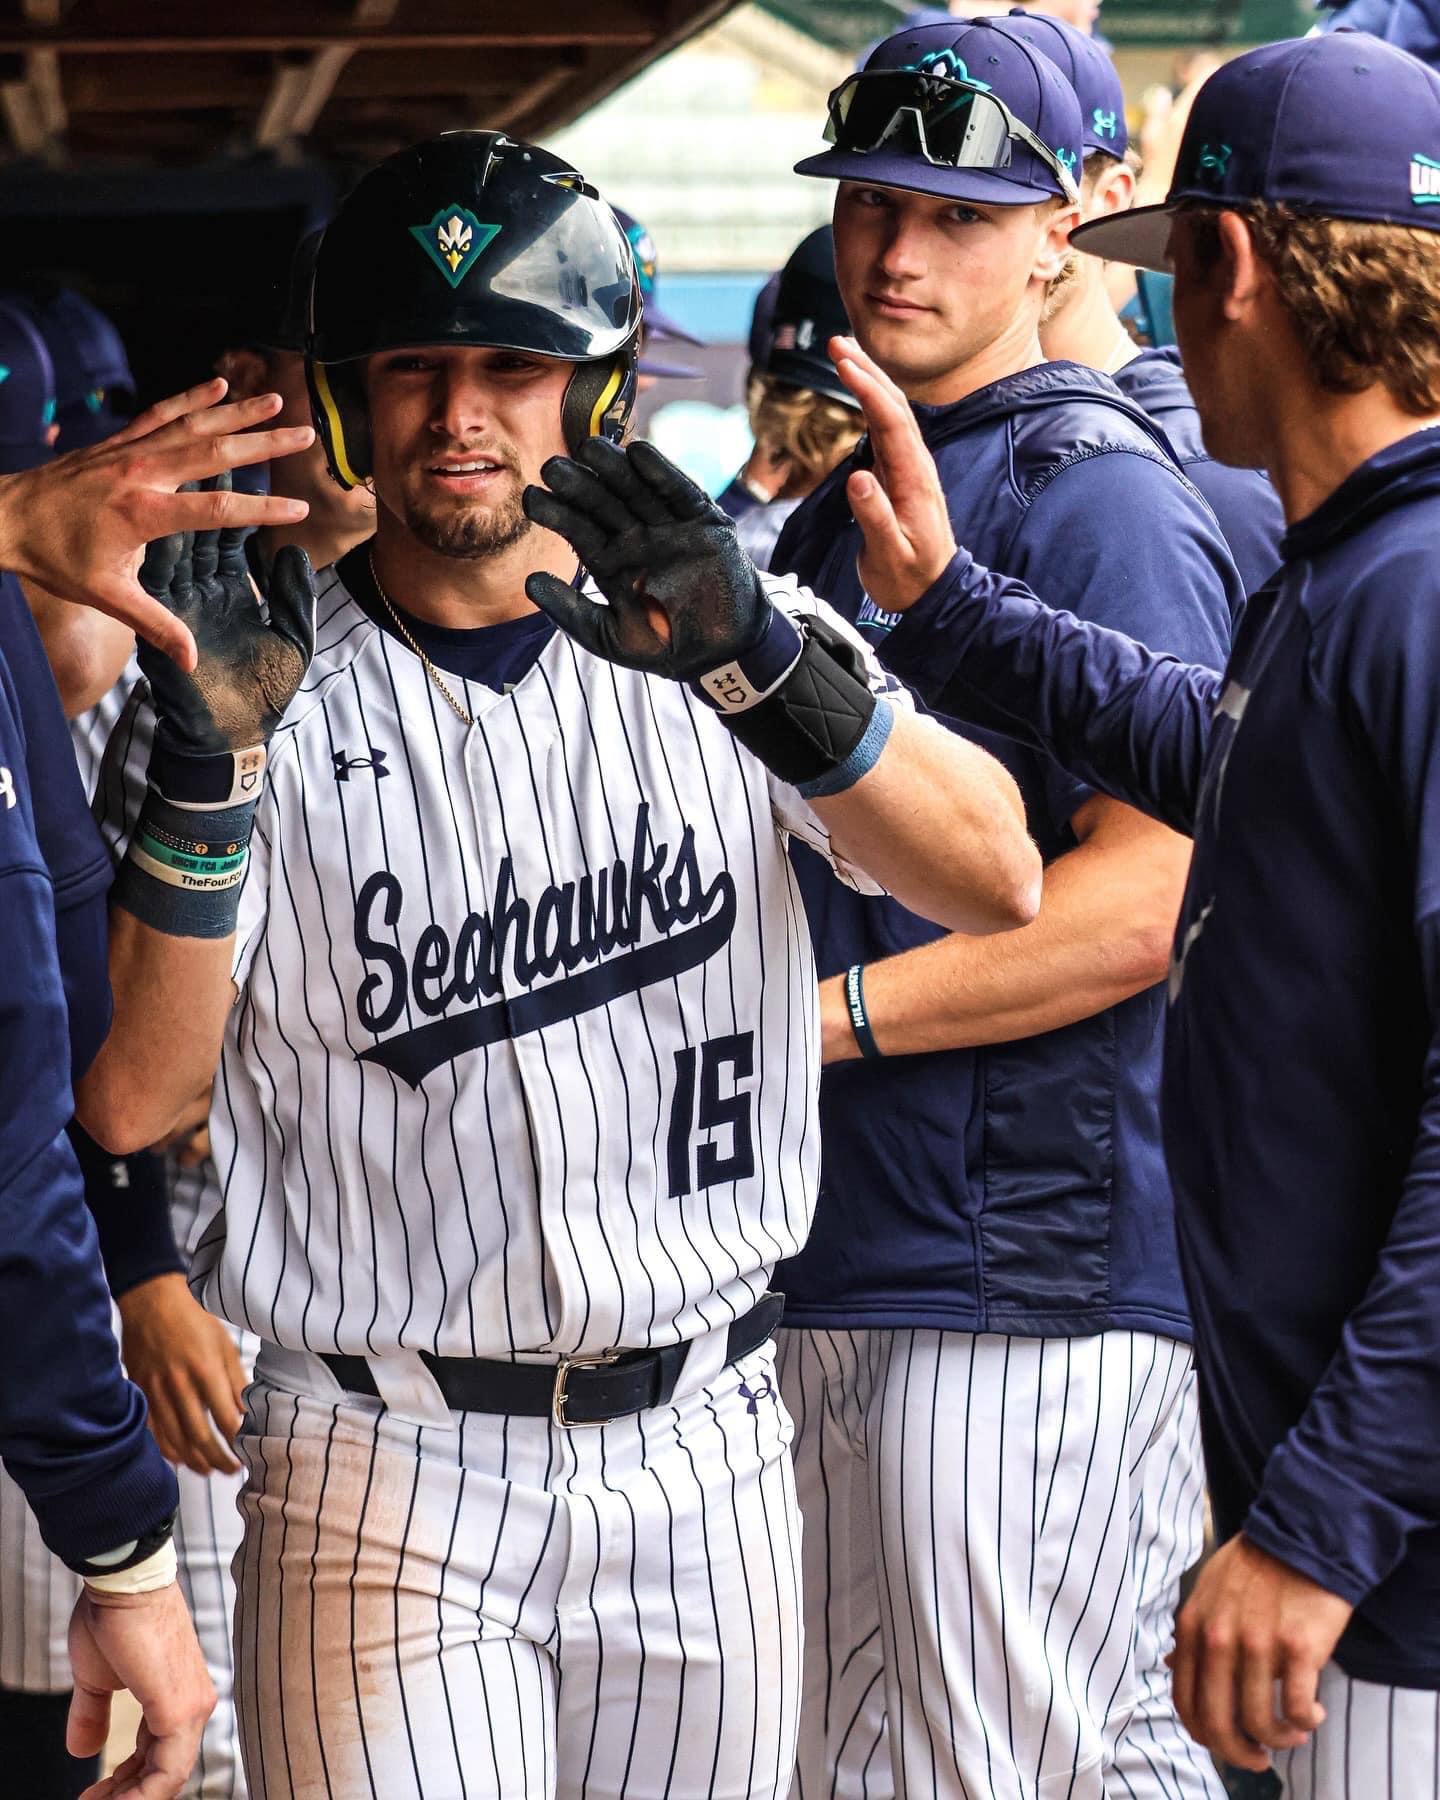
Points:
x=764 y=1389
x=375 y=762
x=119 y=1173
x=7 y=788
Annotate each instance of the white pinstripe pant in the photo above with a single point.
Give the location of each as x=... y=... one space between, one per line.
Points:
x=507 y=1609
x=1377 y=1743
x=995 y=1531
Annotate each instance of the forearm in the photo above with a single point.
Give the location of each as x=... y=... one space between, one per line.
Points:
x=85 y=649
x=1102 y=934
x=941 y=826
x=1125 y=720
x=172 y=998
x=72 y=1429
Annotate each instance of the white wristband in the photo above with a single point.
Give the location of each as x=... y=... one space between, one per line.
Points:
x=157 y=1571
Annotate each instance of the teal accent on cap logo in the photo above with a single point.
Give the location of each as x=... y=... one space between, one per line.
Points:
x=1213 y=161
x=951 y=66
x=453 y=240
x=4 y=373
x=47 y=412
x=1424 y=180
x=1104 y=122
x=1068 y=158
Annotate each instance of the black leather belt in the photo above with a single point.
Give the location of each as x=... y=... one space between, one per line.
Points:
x=578 y=1390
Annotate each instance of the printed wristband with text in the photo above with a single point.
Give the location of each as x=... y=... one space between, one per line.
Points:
x=184 y=868
x=859 y=1016
x=737 y=686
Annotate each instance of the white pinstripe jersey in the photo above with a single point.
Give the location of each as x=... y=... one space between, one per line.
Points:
x=526 y=1052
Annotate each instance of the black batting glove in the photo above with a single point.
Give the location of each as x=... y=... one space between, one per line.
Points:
x=683 y=597
x=249 y=667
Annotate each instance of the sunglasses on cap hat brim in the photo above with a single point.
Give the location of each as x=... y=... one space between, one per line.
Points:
x=952 y=124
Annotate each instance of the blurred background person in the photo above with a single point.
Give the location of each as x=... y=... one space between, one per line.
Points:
x=804 y=418
x=1080 y=323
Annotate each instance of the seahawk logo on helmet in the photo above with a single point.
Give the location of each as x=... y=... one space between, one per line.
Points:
x=453 y=240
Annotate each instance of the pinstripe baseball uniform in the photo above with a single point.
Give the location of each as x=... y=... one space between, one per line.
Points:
x=524 y=1065
x=37 y=1591
x=995 y=1232
x=995 y=1531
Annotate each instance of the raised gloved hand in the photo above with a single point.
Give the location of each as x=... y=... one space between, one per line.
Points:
x=683 y=597
x=248 y=668
x=187 y=857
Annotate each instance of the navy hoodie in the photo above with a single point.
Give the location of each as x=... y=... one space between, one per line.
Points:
x=1018 y=1187
x=72 y=1429
x=1302 y=1061
x=1244 y=503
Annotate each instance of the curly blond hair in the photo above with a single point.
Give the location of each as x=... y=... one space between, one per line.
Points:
x=1365 y=298
x=813 y=431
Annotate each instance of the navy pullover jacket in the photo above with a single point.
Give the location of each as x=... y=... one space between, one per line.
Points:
x=1244 y=503
x=72 y=1429
x=1302 y=1059
x=1018 y=1187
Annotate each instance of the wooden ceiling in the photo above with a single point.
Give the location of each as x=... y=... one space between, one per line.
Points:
x=179 y=81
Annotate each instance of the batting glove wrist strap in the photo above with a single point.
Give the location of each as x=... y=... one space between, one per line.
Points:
x=814 y=729
x=755 y=674
x=184 y=868
x=205 y=783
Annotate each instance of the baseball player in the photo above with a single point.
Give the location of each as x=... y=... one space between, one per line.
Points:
x=986 y=1349
x=515 y=1108
x=95 y=388
x=1300 y=1064
x=1081 y=322
x=803 y=416
x=658 y=328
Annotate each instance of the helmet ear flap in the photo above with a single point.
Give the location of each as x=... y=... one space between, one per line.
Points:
x=342 y=422
x=599 y=398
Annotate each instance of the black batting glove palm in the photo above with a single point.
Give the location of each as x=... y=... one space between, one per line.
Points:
x=683 y=597
x=249 y=667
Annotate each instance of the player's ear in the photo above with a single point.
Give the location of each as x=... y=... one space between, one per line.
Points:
x=247 y=372
x=1057 y=221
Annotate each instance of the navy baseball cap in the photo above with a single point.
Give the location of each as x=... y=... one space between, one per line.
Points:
x=658 y=326
x=1342 y=126
x=808 y=313
x=1087 y=65
x=761 y=317
x=27 y=392
x=95 y=390
x=983 y=116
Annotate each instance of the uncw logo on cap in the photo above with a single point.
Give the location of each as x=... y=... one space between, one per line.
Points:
x=453 y=240
x=1424 y=180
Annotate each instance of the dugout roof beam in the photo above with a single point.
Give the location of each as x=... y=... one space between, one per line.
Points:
x=176 y=81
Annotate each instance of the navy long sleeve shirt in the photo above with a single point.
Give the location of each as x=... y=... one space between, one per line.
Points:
x=72 y=1429
x=1301 y=1089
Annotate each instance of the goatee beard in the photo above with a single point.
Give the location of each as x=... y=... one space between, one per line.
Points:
x=471 y=536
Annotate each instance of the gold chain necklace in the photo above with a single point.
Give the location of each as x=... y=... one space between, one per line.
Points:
x=409 y=637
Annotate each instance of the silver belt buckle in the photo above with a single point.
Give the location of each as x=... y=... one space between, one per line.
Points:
x=562 y=1382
